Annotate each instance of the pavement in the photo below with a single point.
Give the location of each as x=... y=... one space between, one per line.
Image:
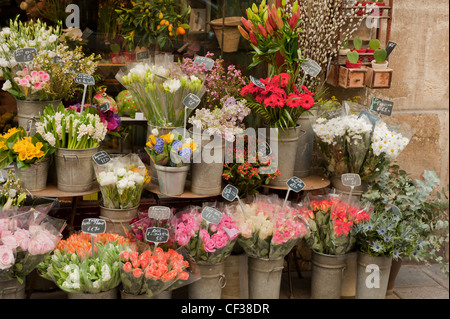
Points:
x=413 y=282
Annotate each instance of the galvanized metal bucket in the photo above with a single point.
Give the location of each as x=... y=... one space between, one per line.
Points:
x=172 y=180
x=264 y=278
x=348 y=289
x=327 y=272
x=336 y=182
x=110 y=294
x=162 y=295
x=12 y=289
x=304 y=148
x=210 y=285
x=34 y=178
x=29 y=110
x=372 y=276
x=74 y=169
x=118 y=217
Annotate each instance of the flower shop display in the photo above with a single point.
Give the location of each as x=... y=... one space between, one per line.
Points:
x=331 y=236
x=12 y=194
x=209 y=245
x=248 y=172
x=121 y=182
x=26 y=239
x=30 y=155
x=153 y=274
x=171 y=154
x=267 y=234
x=76 y=137
x=74 y=269
x=213 y=129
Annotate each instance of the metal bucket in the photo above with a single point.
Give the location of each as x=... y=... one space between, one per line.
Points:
x=327 y=272
x=119 y=217
x=264 y=278
x=348 y=289
x=304 y=148
x=287 y=152
x=210 y=285
x=172 y=179
x=162 y=295
x=29 y=110
x=207 y=177
x=34 y=178
x=110 y=294
x=336 y=182
x=74 y=169
x=12 y=289
x=372 y=276
x=236 y=272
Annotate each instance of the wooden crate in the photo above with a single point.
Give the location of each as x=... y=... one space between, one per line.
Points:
x=379 y=79
x=352 y=78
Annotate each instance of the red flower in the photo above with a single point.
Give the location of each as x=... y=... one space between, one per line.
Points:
x=262 y=30
x=307 y=101
x=253 y=38
x=281 y=80
x=275 y=100
x=293 y=101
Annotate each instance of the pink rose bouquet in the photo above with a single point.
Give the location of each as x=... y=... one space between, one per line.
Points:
x=25 y=240
x=207 y=244
x=267 y=230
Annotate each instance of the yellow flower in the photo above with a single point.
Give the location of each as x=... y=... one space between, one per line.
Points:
x=168 y=138
x=152 y=140
x=26 y=150
x=193 y=146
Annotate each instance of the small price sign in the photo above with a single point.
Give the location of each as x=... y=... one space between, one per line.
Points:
x=390 y=47
x=351 y=180
x=311 y=67
x=209 y=63
x=211 y=215
x=257 y=82
x=159 y=212
x=104 y=107
x=157 y=235
x=84 y=79
x=101 y=158
x=93 y=226
x=230 y=193
x=142 y=55
x=57 y=59
x=191 y=101
x=380 y=106
x=372 y=118
x=25 y=54
x=264 y=149
x=295 y=184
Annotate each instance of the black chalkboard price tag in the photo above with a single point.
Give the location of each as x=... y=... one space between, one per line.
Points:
x=84 y=79
x=257 y=82
x=296 y=184
x=142 y=55
x=351 y=180
x=209 y=63
x=25 y=54
x=57 y=59
x=380 y=106
x=159 y=212
x=191 y=101
x=101 y=158
x=104 y=107
x=311 y=67
x=230 y=193
x=390 y=47
x=211 y=215
x=157 y=235
x=372 y=118
x=93 y=226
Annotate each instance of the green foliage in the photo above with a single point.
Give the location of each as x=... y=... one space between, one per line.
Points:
x=353 y=56
x=374 y=44
x=380 y=55
x=357 y=43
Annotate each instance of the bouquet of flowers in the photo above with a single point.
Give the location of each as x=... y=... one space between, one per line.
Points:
x=74 y=269
x=152 y=272
x=170 y=149
x=267 y=231
x=11 y=193
x=332 y=224
x=109 y=118
x=206 y=245
x=225 y=121
x=220 y=81
x=122 y=181
x=247 y=171
x=159 y=92
x=351 y=144
x=22 y=150
x=26 y=239
x=66 y=128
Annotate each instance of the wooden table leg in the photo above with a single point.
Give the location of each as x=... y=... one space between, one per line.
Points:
x=74 y=211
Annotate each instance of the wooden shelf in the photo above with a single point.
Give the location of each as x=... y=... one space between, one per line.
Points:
x=53 y=191
x=311 y=183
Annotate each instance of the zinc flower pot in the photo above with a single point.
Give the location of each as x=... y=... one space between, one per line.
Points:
x=372 y=276
x=348 y=289
x=336 y=182
x=74 y=169
x=12 y=289
x=304 y=147
x=211 y=283
x=264 y=278
x=34 y=178
x=119 y=217
x=29 y=110
x=285 y=158
x=327 y=273
x=172 y=180
x=395 y=269
x=227 y=29
x=109 y=294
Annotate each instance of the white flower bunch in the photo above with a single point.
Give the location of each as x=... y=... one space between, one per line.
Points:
x=387 y=141
x=349 y=126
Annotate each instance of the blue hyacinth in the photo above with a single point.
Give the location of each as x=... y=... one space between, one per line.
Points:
x=159 y=145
